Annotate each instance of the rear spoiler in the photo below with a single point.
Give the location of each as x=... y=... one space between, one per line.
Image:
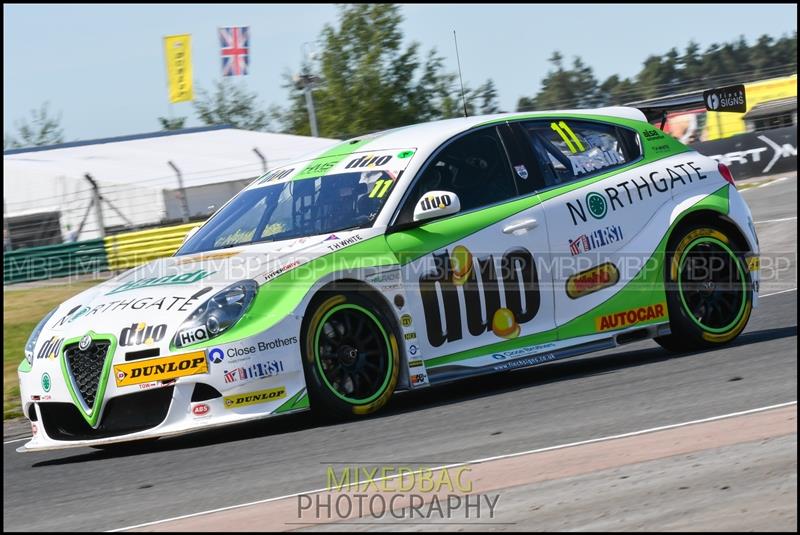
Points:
x=729 y=99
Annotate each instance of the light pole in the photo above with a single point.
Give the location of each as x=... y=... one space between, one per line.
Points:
x=307 y=81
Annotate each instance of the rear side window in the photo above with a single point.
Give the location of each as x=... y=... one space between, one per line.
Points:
x=571 y=150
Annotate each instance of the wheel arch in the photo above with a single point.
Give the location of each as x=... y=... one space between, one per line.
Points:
x=379 y=300
x=706 y=216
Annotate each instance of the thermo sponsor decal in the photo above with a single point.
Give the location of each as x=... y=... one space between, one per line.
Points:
x=592 y=280
x=629 y=192
x=620 y=320
x=253 y=398
x=478 y=282
x=182 y=278
x=160 y=369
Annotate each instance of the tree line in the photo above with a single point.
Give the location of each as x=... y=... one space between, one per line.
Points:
x=369 y=81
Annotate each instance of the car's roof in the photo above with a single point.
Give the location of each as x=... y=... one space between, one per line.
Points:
x=432 y=134
x=426 y=137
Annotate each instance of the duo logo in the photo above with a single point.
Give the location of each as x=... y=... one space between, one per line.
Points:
x=456 y=273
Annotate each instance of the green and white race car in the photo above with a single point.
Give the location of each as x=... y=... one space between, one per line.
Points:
x=400 y=260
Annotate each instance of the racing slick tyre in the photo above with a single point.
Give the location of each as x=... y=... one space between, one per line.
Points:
x=709 y=289
x=351 y=358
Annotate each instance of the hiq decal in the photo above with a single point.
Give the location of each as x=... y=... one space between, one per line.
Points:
x=455 y=272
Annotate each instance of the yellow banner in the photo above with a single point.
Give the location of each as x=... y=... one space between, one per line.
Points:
x=178 y=53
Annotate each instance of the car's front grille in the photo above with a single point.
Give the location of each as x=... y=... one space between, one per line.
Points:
x=85 y=367
x=123 y=415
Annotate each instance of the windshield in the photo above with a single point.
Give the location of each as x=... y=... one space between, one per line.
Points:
x=295 y=209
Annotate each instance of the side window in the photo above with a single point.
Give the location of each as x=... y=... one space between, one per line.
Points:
x=474 y=167
x=571 y=150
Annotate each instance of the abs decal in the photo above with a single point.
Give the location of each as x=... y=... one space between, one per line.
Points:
x=479 y=286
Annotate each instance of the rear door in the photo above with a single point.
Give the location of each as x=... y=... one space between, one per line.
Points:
x=597 y=202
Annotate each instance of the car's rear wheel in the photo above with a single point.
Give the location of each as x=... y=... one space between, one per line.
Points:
x=350 y=355
x=709 y=290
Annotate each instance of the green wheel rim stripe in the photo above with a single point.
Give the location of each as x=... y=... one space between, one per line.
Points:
x=389 y=359
x=727 y=249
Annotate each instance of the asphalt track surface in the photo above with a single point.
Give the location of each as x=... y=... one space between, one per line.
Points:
x=631 y=388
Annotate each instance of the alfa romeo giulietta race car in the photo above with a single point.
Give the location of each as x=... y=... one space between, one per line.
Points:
x=399 y=260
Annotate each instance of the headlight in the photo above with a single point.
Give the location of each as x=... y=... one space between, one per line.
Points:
x=35 y=336
x=218 y=314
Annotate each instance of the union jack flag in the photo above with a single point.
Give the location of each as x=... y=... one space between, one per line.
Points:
x=235 y=43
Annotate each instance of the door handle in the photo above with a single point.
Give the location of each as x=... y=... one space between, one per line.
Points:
x=521 y=227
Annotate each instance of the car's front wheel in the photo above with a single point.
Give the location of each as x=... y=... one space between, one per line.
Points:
x=709 y=290
x=350 y=355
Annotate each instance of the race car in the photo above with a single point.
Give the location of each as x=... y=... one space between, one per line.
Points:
x=400 y=260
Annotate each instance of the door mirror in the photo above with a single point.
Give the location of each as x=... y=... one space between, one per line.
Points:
x=436 y=204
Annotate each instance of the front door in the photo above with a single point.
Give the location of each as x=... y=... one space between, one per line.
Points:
x=474 y=280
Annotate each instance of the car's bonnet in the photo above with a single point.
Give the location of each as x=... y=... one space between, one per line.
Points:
x=166 y=291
